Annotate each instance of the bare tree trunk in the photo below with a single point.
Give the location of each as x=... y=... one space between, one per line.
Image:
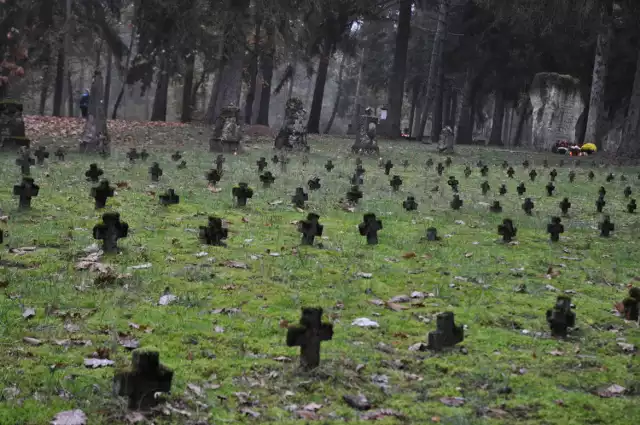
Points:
x=357 y=101
x=453 y=112
x=114 y=114
x=396 y=81
x=415 y=92
x=187 y=104
x=107 y=81
x=58 y=89
x=338 y=95
x=46 y=75
x=436 y=62
x=464 y=123
x=69 y=94
x=159 y=112
x=436 y=124
x=600 y=68
x=495 y=138
x=630 y=145
x=253 y=71
x=266 y=65
x=313 y=126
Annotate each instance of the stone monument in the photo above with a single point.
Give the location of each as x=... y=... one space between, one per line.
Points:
x=12 y=132
x=293 y=134
x=227 y=133
x=366 y=136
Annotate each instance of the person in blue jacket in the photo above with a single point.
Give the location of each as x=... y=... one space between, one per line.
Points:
x=84 y=103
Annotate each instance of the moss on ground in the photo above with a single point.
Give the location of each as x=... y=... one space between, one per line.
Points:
x=506 y=365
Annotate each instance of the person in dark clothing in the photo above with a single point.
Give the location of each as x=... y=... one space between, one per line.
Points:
x=84 y=104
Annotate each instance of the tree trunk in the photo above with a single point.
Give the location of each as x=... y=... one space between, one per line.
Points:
x=266 y=68
x=495 y=139
x=58 y=89
x=211 y=115
x=396 y=81
x=436 y=62
x=107 y=80
x=114 y=115
x=464 y=122
x=415 y=92
x=600 y=65
x=453 y=111
x=253 y=72
x=159 y=112
x=355 y=118
x=187 y=104
x=438 y=105
x=95 y=137
x=69 y=94
x=338 y=95
x=446 y=103
x=630 y=146
x=46 y=75
x=313 y=127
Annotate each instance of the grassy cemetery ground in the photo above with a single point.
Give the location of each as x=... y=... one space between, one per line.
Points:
x=224 y=331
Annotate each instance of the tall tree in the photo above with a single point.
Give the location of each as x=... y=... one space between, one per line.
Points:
x=266 y=69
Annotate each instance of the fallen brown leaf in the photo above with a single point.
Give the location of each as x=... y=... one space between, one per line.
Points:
x=408 y=255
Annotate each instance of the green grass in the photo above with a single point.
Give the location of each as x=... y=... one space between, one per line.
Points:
x=470 y=272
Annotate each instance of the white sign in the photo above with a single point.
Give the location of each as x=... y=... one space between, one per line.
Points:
x=383 y=114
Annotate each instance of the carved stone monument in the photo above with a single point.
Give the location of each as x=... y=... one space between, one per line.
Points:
x=12 y=132
x=227 y=134
x=366 y=136
x=95 y=138
x=293 y=134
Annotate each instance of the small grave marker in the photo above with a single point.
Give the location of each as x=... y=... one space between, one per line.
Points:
x=545 y=163
x=395 y=183
x=602 y=192
x=305 y=160
x=511 y=172
x=631 y=305
x=242 y=192
x=213 y=176
x=144 y=155
x=101 y=193
x=610 y=178
x=370 y=227
x=177 y=156
x=410 y=204
x=169 y=198
x=484 y=171
x=357 y=179
x=110 y=230
x=560 y=317
x=453 y=184
x=467 y=171
x=565 y=205
x=591 y=175
x=429 y=164
x=553 y=174
x=387 y=167
x=522 y=189
x=627 y=191
x=93 y=173
x=456 y=203
x=503 y=190
x=405 y=164
x=182 y=165
x=507 y=230
x=600 y=203
x=310 y=229
x=299 y=198
x=525 y=164
x=532 y=175
x=308 y=335
x=26 y=190
x=59 y=153
x=572 y=176
x=314 y=183
x=505 y=165
x=284 y=161
x=623 y=178
x=440 y=168
x=132 y=155
x=24 y=161
x=155 y=171
x=354 y=194
x=495 y=207
x=631 y=206
x=275 y=159
x=485 y=187
x=214 y=233
x=448 y=162
x=550 y=188
x=41 y=154
x=329 y=166
x=528 y=206
x=447 y=333
x=145 y=378
x=432 y=234
x=606 y=227
x=555 y=228
x=267 y=179
x=220 y=160
x=262 y=164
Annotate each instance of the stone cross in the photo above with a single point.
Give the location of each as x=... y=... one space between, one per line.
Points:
x=627 y=191
x=532 y=175
x=410 y=204
x=495 y=207
x=503 y=190
x=610 y=178
x=553 y=174
x=101 y=193
x=267 y=179
x=262 y=164
x=447 y=333
x=370 y=227
x=405 y=163
x=448 y=162
x=329 y=166
x=275 y=159
x=480 y=164
x=631 y=305
x=467 y=171
x=522 y=189
x=631 y=207
x=242 y=192
x=293 y=134
x=314 y=183
x=560 y=317
x=24 y=161
x=600 y=203
x=144 y=155
x=214 y=232
x=59 y=153
x=41 y=154
x=510 y=172
x=572 y=176
x=310 y=228
x=354 y=194
x=453 y=184
x=525 y=164
x=550 y=188
x=602 y=191
x=505 y=165
x=357 y=178
x=429 y=163
x=387 y=167
x=93 y=173
x=528 y=206
x=432 y=234
x=606 y=227
x=145 y=378
x=26 y=190
x=213 y=176
x=299 y=198
x=591 y=175
x=220 y=160
x=133 y=155
x=182 y=165
x=395 y=183
x=308 y=335
x=484 y=171
x=440 y=168
x=155 y=171
x=110 y=230
x=360 y=170
x=485 y=187
x=177 y=156
x=456 y=203
x=565 y=205
x=555 y=228
x=507 y=230
x=169 y=198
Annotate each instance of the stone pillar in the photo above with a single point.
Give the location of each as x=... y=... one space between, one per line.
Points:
x=95 y=137
x=293 y=134
x=12 y=131
x=557 y=105
x=366 y=135
x=227 y=134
